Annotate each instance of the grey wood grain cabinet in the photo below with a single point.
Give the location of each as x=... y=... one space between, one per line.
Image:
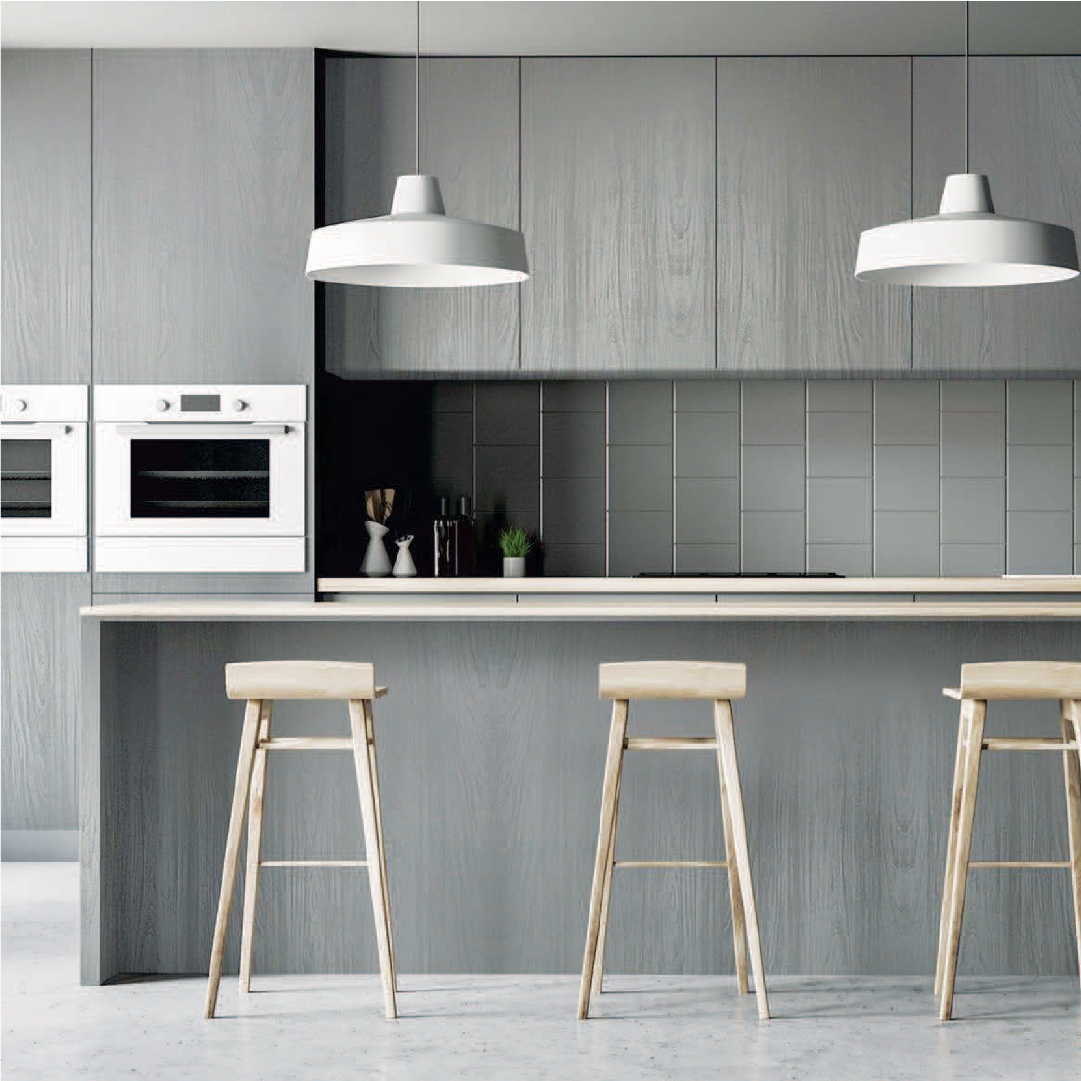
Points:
x=45 y=169
x=810 y=151
x=618 y=194
x=203 y=205
x=469 y=140
x=1025 y=132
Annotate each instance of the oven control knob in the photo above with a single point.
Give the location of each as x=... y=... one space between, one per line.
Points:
x=161 y=405
x=20 y=405
x=239 y=405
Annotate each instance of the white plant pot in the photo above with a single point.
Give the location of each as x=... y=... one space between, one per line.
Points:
x=514 y=566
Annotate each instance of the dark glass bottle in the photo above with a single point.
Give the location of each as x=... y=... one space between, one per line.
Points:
x=445 y=532
x=466 y=539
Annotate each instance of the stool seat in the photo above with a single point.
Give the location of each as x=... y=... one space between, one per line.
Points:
x=673 y=679
x=328 y=680
x=1002 y=680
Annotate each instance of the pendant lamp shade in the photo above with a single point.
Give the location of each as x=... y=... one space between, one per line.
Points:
x=417 y=246
x=967 y=244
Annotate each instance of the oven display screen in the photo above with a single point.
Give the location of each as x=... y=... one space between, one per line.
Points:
x=200 y=403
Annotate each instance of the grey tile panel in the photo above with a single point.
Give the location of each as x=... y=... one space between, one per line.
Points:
x=707 y=395
x=1039 y=542
x=707 y=511
x=906 y=543
x=773 y=412
x=452 y=396
x=839 y=511
x=973 y=395
x=963 y=560
x=573 y=444
x=1039 y=478
x=508 y=477
x=851 y=560
x=508 y=413
x=772 y=541
x=707 y=444
x=640 y=412
x=574 y=511
x=452 y=445
x=640 y=478
x=707 y=558
x=906 y=478
x=906 y=412
x=584 y=396
x=1039 y=411
x=973 y=444
x=838 y=444
x=973 y=511
x=573 y=560
x=773 y=478
x=839 y=396
x=639 y=541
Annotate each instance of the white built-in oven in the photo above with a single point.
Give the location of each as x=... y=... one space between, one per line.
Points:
x=43 y=478
x=199 y=478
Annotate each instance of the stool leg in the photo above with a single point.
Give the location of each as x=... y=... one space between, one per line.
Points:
x=726 y=754
x=232 y=851
x=369 y=725
x=1071 y=764
x=613 y=767
x=739 y=929
x=959 y=874
x=371 y=845
x=255 y=845
x=951 y=841
x=606 y=899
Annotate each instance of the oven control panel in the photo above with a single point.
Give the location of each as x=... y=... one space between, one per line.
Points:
x=27 y=404
x=173 y=404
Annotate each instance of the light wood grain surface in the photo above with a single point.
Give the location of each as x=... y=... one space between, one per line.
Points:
x=491 y=751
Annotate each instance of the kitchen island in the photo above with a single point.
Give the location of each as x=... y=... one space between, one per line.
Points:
x=491 y=750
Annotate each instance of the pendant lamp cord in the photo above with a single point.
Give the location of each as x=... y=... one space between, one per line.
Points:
x=965 y=83
x=418 y=85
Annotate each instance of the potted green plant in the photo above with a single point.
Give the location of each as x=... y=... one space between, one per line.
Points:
x=515 y=545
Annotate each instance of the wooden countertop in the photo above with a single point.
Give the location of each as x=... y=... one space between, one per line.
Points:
x=596 y=609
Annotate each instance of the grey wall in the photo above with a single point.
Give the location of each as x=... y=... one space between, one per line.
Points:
x=885 y=477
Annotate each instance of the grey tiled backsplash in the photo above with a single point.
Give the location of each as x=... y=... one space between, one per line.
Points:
x=890 y=477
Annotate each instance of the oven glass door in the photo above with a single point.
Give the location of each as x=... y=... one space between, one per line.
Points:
x=42 y=479
x=200 y=480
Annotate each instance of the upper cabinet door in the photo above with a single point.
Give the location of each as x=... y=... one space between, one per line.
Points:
x=45 y=166
x=203 y=205
x=810 y=151
x=1025 y=134
x=618 y=198
x=469 y=140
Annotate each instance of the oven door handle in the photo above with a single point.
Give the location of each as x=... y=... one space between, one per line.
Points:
x=202 y=430
x=36 y=427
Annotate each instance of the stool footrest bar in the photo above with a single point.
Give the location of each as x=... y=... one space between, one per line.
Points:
x=670 y=743
x=306 y=743
x=670 y=863
x=1009 y=743
x=1020 y=863
x=313 y=863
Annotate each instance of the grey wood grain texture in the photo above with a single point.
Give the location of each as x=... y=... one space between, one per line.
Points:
x=1025 y=131
x=203 y=205
x=810 y=151
x=469 y=140
x=618 y=200
x=97 y=693
x=45 y=172
x=107 y=587
x=491 y=746
x=40 y=698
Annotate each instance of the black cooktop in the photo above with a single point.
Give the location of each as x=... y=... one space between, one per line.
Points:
x=738 y=574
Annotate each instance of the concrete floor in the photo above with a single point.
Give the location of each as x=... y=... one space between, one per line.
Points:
x=481 y=1027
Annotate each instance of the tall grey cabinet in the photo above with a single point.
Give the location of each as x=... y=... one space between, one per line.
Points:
x=618 y=194
x=810 y=151
x=469 y=140
x=45 y=178
x=1025 y=133
x=204 y=201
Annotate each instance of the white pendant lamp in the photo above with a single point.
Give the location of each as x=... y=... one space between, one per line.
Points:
x=966 y=243
x=416 y=245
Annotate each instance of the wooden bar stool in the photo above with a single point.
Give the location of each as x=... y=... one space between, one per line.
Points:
x=980 y=683
x=719 y=683
x=261 y=684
